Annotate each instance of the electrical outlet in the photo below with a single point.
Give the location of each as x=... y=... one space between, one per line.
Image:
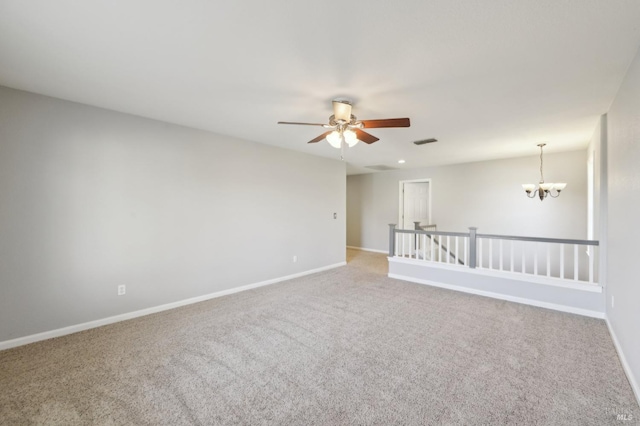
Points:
x=295 y=258
x=335 y=215
x=122 y=290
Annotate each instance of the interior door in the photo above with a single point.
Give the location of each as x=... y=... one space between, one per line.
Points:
x=415 y=202
x=415 y=208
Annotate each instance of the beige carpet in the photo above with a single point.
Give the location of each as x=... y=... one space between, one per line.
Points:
x=346 y=346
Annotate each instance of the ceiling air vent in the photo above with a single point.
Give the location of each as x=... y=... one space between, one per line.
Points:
x=380 y=167
x=424 y=141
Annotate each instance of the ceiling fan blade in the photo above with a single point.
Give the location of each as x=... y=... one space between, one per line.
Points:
x=365 y=137
x=386 y=122
x=301 y=124
x=319 y=138
x=342 y=110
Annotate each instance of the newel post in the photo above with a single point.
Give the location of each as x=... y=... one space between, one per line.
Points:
x=472 y=247
x=416 y=239
x=392 y=238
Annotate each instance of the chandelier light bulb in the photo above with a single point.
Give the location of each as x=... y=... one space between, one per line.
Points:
x=546 y=186
x=559 y=186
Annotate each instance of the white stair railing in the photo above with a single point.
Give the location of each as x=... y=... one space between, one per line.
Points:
x=551 y=258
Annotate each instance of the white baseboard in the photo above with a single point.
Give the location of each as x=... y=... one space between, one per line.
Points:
x=623 y=361
x=7 y=344
x=556 y=307
x=368 y=249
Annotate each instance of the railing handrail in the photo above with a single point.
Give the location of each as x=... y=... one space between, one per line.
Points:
x=445 y=233
x=503 y=237
x=424 y=227
x=540 y=239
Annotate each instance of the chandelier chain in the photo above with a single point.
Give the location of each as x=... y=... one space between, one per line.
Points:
x=541 y=175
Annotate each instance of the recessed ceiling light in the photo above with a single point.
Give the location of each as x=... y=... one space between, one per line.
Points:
x=401 y=161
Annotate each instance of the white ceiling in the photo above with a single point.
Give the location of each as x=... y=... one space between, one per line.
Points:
x=489 y=79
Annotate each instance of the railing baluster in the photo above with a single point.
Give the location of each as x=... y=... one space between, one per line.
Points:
x=591 y=256
x=490 y=253
x=548 y=259
x=424 y=246
x=466 y=250
x=480 y=244
x=431 y=256
x=575 y=262
x=561 y=260
x=403 y=244
x=501 y=255
x=415 y=246
x=457 y=251
x=511 y=257
x=448 y=253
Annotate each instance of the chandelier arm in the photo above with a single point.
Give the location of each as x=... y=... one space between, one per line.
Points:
x=555 y=196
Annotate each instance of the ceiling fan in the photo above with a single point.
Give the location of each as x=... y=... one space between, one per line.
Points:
x=345 y=126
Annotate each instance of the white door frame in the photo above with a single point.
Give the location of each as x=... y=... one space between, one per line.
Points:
x=401 y=198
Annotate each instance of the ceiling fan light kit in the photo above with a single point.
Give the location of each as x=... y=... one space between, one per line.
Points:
x=345 y=128
x=544 y=189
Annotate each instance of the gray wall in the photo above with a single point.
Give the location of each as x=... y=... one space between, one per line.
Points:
x=91 y=198
x=623 y=215
x=485 y=194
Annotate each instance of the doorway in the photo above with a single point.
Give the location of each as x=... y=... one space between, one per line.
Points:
x=415 y=203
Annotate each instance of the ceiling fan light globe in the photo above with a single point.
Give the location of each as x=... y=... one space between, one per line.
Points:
x=350 y=138
x=334 y=139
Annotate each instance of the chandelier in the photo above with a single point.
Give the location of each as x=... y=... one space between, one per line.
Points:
x=543 y=189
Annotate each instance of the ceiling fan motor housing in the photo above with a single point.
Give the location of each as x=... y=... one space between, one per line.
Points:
x=337 y=122
x=342 y=109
